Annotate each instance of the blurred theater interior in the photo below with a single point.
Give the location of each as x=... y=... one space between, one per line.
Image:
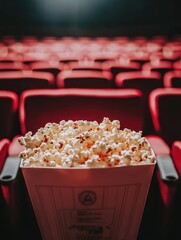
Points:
x=89 y=59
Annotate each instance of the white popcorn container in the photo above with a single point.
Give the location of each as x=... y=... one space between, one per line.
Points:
x=89 y=203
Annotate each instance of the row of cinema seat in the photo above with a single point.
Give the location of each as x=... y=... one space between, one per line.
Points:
x=94 y=49
x=102 y=75
x=108 y=70
x=20 y=80
x=37 y=107
x=12 y=107
x=143 y=81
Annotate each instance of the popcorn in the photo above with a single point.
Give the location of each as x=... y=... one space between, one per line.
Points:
x=85 y=144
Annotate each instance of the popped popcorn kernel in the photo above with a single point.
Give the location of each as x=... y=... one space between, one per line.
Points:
x=85 y=144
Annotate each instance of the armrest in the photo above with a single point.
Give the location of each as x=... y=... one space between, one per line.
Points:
x=160 y=147
x=10 y=170
x=167 y=169
x=15 y=148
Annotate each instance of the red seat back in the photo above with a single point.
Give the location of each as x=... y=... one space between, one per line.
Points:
x=15 y=66
x=8 y=111
x=37 y=107
x=145 y=82
x=4 y=145
x=84 y=79
x=53 y=67
x=176 y=155
x=116 y=67
x=19 y=81
x=172 y=79
x=166 y=113
x=158 y=66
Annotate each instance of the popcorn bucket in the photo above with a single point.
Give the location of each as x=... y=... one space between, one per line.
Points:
x=89 y=203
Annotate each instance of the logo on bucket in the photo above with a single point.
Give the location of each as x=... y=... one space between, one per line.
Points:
x=87 y=198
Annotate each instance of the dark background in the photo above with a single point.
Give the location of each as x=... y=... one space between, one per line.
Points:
x=90 y=17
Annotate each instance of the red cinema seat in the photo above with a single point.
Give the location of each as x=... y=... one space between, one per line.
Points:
x=176 y=156
x=15 y=66
x=123 y=65
x=8 y=196
x=37 y=107
x=165 y=109
x=172 y=79
x=152 y=47
x=8 y=113
x=84 y=79
x=163 y=190
x=140 y=40
x=164 y=104
x=4 y=145
x=29 y=40
x=174 y=46
x=159 y=39
x=16 y=214
x=63 y=104
x=140 y=57
x=102 y=56
x=33 y=58
x=145 y=82
x=21 y=80
x=53 y=67
x=12 y=59
x=158 y=66
x=48 y=39
x=177 y=65
x=166 y=54
x=85 y=65
x=18 y=48
x=176 y=153
x=68 y=59
x=8 y=40
x=121 y=39
x=175 y=218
